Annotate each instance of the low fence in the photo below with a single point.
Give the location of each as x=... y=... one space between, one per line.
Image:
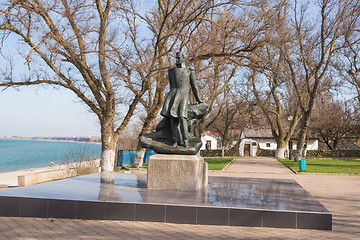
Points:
x=333 y=153
x=314 y=153
x=51 y=175
x=217 y=153
x=126 y=157
x=265 y=153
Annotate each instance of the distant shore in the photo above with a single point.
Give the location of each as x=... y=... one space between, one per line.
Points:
x=57 y=139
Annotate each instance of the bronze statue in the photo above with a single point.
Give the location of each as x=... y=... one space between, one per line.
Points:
x=176 y=103
x=174 y=134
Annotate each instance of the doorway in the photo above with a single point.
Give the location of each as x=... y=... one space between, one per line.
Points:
x=247 y=150
x=208 y=145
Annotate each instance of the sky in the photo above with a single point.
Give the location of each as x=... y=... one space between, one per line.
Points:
x=39 y=112
x=33 y=111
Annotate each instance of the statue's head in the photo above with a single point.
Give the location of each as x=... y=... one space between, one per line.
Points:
x=180 y=59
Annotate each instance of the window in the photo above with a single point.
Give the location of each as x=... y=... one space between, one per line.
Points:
x=267 y=144
x=253 y=144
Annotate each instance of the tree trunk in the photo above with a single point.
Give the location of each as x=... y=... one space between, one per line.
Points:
x=327 y=142
x=139 y=156
x=108 y=148
x=335 y=143
x=140 y=151
x=147 y=128
x=280 y=151
x=302 y=136
x=107 y=159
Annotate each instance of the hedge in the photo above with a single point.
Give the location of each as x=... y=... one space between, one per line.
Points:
x=265 y=153
x=333 y=153
x=217 y=153
x=314 y=153
x=234 y=151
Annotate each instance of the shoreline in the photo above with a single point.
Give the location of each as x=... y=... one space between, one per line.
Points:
x=47 y=140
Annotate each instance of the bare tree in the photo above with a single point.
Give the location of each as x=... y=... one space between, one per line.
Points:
x=171 y=24
x=317 y=38
x=269 y=76
x=68 y=44
x=204 y=33
x=97 y=50
x=331 y=120
x=220 y=48
x=273 y=102
x=214 y=78
x=228 y=117
x=347 y=61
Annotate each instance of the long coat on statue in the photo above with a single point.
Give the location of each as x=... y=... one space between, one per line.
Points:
x=175 y=104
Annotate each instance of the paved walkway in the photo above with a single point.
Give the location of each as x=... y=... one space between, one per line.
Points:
x=339 y=193
x=245 y=165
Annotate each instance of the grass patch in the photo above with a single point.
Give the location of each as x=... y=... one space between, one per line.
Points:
x=217 y=163
x=331 y=158
x=326 y=165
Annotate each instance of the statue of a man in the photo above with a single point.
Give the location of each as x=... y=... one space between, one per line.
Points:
x=174 y=133
x=176 y=103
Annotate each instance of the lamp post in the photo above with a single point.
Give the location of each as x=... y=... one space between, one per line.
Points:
x=290 y=118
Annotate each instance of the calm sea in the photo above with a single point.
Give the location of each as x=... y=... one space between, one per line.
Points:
x=26 y=154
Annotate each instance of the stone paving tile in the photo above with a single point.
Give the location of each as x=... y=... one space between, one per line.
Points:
x=83 y=229
x=338 y=193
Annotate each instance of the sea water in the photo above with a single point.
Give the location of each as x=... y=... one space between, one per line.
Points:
x=27 y=154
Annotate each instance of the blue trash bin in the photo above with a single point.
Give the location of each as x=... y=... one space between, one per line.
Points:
x=302 y=165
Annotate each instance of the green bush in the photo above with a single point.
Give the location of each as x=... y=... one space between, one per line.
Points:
x=314 y=153
x=333 y=153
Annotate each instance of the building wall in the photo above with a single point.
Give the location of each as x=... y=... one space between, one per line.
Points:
x=270 y=144
x=253 y=147
x=311 y=145
x=210 y=138
x=263 y=144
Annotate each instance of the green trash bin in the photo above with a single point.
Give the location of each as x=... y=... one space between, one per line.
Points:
x=302 y=165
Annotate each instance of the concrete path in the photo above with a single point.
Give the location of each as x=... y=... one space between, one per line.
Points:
x=339 y=193
x=257 y=165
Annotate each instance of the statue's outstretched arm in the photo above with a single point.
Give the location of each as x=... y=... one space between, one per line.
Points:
x=193 y=85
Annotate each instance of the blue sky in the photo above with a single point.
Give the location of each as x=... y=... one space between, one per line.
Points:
x=35 y=111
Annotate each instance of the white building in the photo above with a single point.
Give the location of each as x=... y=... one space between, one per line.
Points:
x=252 y=139
x=210 y=139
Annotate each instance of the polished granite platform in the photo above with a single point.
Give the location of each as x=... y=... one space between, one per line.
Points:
x=123 y=196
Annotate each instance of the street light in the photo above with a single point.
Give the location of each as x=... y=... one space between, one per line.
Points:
x=290 y=118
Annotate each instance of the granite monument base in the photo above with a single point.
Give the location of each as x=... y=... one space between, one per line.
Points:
x=176 y=172
x=254 y=202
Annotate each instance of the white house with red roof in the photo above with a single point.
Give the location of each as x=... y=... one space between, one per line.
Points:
x=209 y=140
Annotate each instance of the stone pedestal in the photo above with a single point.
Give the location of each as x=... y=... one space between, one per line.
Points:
x=176 y=172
